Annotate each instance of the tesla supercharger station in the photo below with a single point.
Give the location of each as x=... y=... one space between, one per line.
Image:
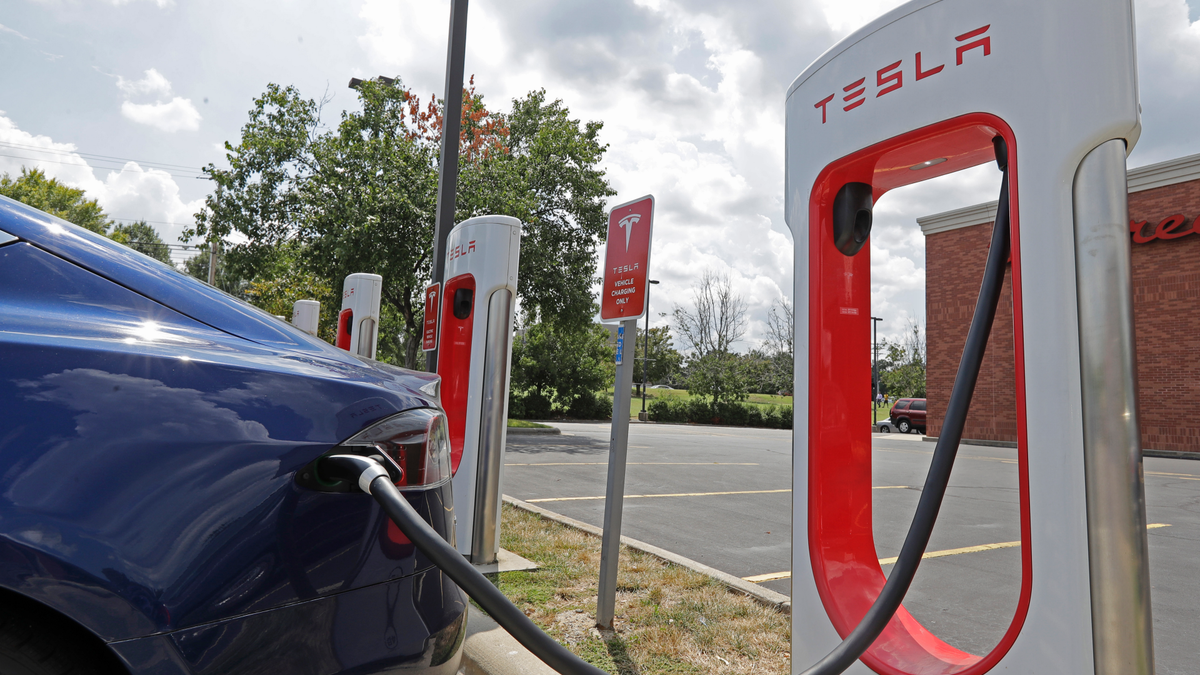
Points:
x=305 y=315
x=922 y=92
x=358 y=320
x=474 y=356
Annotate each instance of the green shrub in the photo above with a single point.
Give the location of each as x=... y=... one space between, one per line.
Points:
x=699 y=411
x=591 y=407
x=731 y=414
x=528 y=405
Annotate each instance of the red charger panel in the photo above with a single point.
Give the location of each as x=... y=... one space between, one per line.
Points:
x=454 y=363
x=345 y=326
x=841 y=536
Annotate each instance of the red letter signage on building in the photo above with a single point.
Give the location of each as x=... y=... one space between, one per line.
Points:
x=627 y=260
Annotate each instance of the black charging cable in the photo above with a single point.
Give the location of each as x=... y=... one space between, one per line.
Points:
x=373 y=479
x=898 y=582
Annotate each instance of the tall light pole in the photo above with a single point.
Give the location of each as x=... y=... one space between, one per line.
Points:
x=875 y=366
x=448 y=164
x=646 y=345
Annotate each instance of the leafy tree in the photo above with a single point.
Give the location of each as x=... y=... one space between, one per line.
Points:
x=259 y=196
x=369 y=205
x=553 y=185
x=51 y=196
x=560 y=369
x=362 y=197
x=769 y=373
x=719 y=377
x=227 y=278
x=143 y=238
x=664 y=362
x=905 y=365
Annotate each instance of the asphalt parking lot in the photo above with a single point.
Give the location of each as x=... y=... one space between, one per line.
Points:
x=722 y=496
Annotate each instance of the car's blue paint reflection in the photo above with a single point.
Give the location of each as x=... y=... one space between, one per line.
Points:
x=148 y=456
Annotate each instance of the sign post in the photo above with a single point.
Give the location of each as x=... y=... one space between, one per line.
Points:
x=623 y=299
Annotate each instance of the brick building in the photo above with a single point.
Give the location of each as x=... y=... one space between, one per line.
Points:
x=1164 y=205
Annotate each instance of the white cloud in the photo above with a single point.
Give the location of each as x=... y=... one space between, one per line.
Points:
x=161 y=3
x=129 y=193
x=178 y=114
x=152 y=84
x=12 y=31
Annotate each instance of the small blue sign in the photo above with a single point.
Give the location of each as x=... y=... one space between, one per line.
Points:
x=620 y=343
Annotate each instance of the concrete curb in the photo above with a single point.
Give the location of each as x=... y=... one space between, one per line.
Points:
x=764 y=596
x=490 y=650
x=521 y=431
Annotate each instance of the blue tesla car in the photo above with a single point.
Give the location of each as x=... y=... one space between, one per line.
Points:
x=158 y=509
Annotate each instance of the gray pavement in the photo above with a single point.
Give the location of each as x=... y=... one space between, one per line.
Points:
x=730 y=508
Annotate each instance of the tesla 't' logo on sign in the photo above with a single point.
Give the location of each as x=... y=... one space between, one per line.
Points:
x=627 y=223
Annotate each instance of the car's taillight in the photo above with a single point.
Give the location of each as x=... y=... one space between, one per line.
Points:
x=413 y=445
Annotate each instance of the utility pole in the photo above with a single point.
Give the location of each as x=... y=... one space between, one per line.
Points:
x=875 y=366
x=212 y=262
x=451 y=127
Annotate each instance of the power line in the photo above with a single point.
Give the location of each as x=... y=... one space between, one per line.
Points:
x=143 y=220
x=107 y=168
x=59 y=151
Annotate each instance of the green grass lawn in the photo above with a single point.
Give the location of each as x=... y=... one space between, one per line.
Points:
x=879 y=412
x=524 y=424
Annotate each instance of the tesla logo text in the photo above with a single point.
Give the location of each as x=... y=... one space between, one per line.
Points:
x=622 y=269
x=627 y=223
x=460 y=250
x=891 y=77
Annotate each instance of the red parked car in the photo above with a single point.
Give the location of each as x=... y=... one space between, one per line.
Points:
x=909 y=414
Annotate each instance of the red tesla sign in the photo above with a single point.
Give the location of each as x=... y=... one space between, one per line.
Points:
x=429 y=340
x=627 y=260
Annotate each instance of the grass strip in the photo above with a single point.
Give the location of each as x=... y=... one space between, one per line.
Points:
x=669 y=618
x=525 y=424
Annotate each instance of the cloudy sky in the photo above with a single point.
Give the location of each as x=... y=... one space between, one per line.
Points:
x=128 y=98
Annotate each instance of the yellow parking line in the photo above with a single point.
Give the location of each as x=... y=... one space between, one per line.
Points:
x=759 y=578
x=632 y=463
x=691 y=494
x=957 y=551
